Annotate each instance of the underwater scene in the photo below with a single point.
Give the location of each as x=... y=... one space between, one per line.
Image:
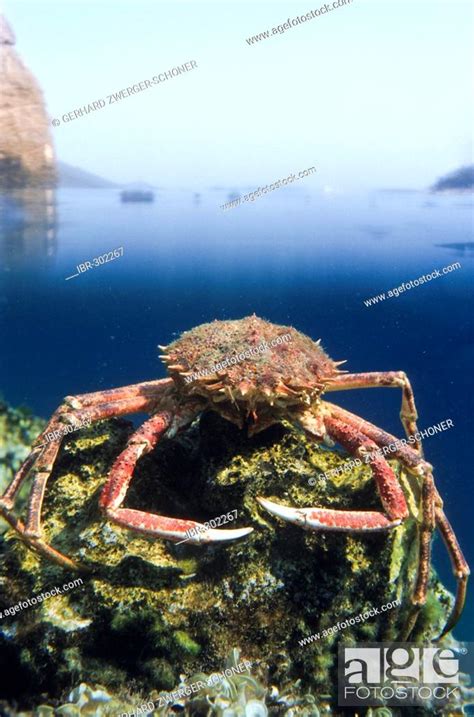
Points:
x=203 y=509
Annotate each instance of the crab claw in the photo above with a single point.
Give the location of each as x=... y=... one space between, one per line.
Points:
x=329 y=519
x=290 y=515
x=200 y=534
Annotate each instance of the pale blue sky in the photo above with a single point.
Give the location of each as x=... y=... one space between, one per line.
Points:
x=377 y=93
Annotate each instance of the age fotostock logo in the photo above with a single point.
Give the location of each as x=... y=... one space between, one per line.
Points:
x=399 y=673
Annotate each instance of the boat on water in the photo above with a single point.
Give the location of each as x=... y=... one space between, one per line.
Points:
x=137 y=195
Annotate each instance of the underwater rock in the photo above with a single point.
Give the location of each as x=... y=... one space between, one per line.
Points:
x=150 y=612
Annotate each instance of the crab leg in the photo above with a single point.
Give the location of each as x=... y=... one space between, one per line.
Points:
x=398 y=447
x=39 y=545
x=147 y=389
x=40 y=462
x=70 y=412
x=44 y=464
x=391 y=494
x=459 y=564
x=113 y=494
x=428 y=496
x=7 y=500
x=432 y=505
x=377 y=379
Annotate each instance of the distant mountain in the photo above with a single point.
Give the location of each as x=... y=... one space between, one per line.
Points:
x=460 y=180
x=75 y=178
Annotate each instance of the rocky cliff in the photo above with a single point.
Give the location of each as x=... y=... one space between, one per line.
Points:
x=26 y=149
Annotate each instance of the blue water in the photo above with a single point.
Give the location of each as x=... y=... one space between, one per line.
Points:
x=290 y=257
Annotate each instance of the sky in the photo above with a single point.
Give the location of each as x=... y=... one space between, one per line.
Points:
x=377 y=93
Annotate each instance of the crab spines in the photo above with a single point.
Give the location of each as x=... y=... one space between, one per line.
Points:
x=209 y=378
x=340 y=363
x=244 y=387
x=173 y=364
x=168 y=358
x=284 y=390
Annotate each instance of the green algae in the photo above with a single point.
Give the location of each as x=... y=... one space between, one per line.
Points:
x=18 y=429
x=185 y=643
x=150 y=611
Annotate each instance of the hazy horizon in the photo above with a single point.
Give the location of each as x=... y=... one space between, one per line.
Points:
x=372 y=94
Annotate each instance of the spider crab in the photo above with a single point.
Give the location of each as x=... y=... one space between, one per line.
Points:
x=220 y=366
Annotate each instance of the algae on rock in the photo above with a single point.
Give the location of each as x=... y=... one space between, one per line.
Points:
x=150 y=611
x=18 y=429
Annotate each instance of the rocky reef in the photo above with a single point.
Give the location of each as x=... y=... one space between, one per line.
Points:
x=150 y=615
